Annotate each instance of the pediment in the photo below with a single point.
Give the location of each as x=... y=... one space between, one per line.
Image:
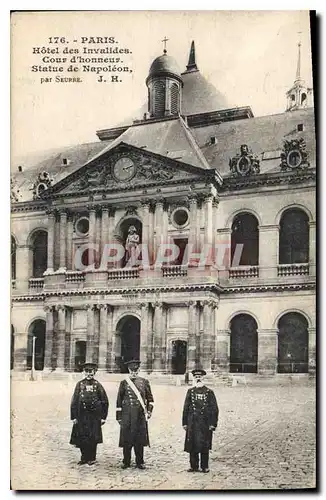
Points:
x=127 y=167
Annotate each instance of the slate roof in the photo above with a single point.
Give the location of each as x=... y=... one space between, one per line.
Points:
x=174 y=139
x=52 y=162
x=199 y=95
x=264 y=135
x=171 y=138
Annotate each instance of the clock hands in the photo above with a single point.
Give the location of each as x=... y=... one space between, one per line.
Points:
x=127 y=168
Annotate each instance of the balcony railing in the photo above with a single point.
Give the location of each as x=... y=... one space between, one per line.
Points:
x=244 y=272
x=35 y=283
x=292 y=269
x=125 y=273
x=75 y=276
x=174 y=271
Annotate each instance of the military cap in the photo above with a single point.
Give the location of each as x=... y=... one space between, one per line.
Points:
x=133 y=362
x=198 y=371
x=89 y=364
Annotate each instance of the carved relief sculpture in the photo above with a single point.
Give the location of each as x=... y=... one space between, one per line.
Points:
x=294 y=155
x=245 y=163
x=41 y=184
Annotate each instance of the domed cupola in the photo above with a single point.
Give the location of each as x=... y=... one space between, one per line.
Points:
x=164 y=87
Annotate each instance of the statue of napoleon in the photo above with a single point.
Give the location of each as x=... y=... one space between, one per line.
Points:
x=131 y=246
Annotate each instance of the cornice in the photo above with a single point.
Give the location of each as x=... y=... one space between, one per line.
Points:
x=284 y=287
x=215 y=288
x=271 y=179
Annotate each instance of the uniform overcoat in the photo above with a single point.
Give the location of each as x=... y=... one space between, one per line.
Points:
x=89 y=405
x=199 y=412
x=133 y=427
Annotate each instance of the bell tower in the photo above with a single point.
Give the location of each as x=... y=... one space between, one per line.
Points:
x=164 y=85
x=299 y=96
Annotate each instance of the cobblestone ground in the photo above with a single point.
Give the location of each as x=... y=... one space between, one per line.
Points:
x=265 y=439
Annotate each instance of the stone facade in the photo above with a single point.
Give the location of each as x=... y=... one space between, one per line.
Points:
x=176 y=316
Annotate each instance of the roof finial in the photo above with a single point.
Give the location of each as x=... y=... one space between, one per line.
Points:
x=164 y=41
x=192 y=66
x=298 y=73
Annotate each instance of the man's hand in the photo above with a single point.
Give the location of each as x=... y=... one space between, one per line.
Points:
x=149 y=415
x=75 y=421
x=102 y=422
x=119 y=422
x=211 y=428
x=185 y=427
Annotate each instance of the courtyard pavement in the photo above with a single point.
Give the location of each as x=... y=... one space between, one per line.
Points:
x=265 y=440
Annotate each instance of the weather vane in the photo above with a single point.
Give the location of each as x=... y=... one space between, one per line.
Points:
x=164 y=41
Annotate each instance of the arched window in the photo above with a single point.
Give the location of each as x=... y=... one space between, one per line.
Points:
x=37 y=330
x=293 y=343
x=244 y=344
x=294 y=237
x=245 y=232
x=13 y=258
x=40 y=253
x=303 y=97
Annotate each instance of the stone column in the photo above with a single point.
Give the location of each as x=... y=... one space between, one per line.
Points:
x=144 y=337
x=208 y=235
x=268 y=251
x=145 y=232
x=111 y=238
x=192 y=241
x=70 y=231
x=97 y=238
x=24 y=257
x=103 y=337
x=150 y=334
x=48 y=354
x=104 y=230
x=63 y=240
x=222 y=350
x=151 y=233
x=312 y=350
x=164 y=356
x=312 y=248
x=111 y=341
x=51 y=230
x=267 y=351
x=90 y=332
x=198 y=223
x=157 y=336
x=61 y=336
x=158 y=225
x=215 y=225
x=191 y=361
x=206 y=351
x=91 y=234
x=20 y=350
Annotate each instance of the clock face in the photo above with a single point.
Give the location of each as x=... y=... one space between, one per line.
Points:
x=124 y=169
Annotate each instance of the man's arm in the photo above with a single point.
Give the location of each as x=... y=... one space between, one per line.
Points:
x=74 y=403
x=149 y=398
x=186 y=409
x=104 y=402
x=119 y=401
x=213 y=410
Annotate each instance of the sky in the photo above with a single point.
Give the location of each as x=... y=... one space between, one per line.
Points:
x=250 y=56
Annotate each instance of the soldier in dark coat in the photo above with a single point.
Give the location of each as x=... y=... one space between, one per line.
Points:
x=199 y=419
x=133 y=412
x=89 y=409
